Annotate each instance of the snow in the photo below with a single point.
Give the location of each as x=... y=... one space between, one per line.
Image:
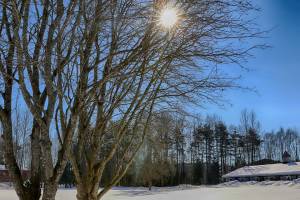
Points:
x=266 y=170
x=287 y=190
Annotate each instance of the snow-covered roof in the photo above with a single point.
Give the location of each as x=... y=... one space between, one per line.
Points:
x=292 y=168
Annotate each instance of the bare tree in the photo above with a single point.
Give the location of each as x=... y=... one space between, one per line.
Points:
x=250 y=127
x=97 y=70
x=38 y=43
x=134 y=66
x=8 y=71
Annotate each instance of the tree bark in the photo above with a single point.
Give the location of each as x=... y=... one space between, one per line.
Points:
x=84 y=192
x=49 y=191
x=35 y=171
x=31 y=194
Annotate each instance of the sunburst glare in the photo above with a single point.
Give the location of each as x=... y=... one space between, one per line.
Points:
x=168 y=17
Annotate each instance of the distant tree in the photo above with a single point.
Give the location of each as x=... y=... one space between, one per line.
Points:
x=274 y=144
x=67 y=177
x=198 y=171
x=206 y=134
x=253 y=143
x=151 y=169
x=158 y=167
x=179 y=147
x=250 y=128
x=222 y=142
x=268 y=147
x=214 y=173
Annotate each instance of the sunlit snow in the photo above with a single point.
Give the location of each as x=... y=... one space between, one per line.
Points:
x=268 y=190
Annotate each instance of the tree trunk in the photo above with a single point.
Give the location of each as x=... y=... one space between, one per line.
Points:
x=84 y=193
x=150 y=185
x=32 y=194
x=49 y=191
x=35 y=171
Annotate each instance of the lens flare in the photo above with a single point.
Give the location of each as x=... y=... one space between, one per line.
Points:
x=168 y=17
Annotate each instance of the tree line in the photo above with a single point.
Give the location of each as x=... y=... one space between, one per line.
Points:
x=181 y=151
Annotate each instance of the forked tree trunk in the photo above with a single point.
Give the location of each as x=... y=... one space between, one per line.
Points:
x=85 y=193
x=32 y=192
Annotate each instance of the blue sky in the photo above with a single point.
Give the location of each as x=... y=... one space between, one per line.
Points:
x=275 y=72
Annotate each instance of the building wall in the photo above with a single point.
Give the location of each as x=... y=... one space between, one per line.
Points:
x=263 y=178
x=4 y=176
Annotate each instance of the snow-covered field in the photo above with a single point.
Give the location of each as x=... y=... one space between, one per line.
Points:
x=230 y=191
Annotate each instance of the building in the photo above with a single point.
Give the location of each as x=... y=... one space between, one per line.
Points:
x=286 y=170
x=4 y=175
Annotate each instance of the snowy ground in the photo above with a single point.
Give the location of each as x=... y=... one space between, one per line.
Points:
x=230 y=191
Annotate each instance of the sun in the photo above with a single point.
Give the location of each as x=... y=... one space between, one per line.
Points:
x=168 y=17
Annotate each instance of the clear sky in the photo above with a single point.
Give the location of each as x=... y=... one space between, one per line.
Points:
x=275 y=72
